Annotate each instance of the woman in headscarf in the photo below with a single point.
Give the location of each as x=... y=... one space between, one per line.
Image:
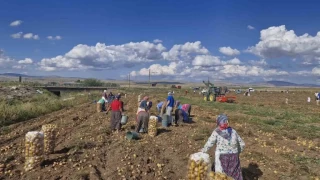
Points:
x=186 y=108
x=143 y=106
x=180 y=115
x=105 y=96
x=229 y=146
x=116 y=114
x=143 y=115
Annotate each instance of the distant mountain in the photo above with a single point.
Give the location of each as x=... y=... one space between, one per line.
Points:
x=14 y=75
x=24 y=75
x=284 y=83
x=160 y=82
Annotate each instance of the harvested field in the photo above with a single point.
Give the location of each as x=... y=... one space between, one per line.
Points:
x=282 y=141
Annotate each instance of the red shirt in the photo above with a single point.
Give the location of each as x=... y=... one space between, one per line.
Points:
x=116 y=105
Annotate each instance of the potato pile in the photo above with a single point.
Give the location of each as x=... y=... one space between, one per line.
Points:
x=219 y=176
x=152 y=129
x=50 y=132
x=198 y=170
x=33 y=149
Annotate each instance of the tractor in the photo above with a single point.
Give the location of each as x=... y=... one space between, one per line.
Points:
x=217 y=94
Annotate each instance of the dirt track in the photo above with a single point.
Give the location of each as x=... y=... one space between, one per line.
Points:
x=87 y=150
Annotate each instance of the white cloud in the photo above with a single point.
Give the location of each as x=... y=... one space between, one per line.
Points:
x=16 y=23
x=102 y=56
x=277 y=42
x=250 y=27
x=247 y=71
x=25 y=36
x=19 y=67
x=5 y=61
x=262 y=62
x=157 y=41
x=208 y=60
x=229 y=51
x=30 y=36
x=17 y=35
x=26 y=61
x=54 y=38
x=316 y=71
x=185 y=51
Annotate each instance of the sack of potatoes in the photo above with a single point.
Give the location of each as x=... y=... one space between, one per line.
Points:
x=50 y=132
x=199 y=166
x=152 y=129
x=32 y=162
x=218 y=176
x=34 y=144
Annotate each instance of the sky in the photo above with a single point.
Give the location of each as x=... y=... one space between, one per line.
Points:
x=231 y=40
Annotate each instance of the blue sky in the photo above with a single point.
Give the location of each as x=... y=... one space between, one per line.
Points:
x=197 y=29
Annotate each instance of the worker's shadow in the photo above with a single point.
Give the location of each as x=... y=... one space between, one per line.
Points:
x=252 y=172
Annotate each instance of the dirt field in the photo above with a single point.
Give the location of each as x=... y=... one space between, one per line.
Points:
x=282 y=141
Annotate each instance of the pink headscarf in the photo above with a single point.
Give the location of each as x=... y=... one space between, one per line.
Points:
x=146 y=98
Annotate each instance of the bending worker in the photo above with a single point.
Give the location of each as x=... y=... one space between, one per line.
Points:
x=143 y=116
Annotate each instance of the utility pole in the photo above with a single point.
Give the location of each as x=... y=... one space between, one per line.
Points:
x=149 y=78
x=129 y=80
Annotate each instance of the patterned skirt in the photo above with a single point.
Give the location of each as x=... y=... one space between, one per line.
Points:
x=230 y=164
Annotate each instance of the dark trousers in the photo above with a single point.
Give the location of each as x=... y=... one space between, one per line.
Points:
x=115 y=120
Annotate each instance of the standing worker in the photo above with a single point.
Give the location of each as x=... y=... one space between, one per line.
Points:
x=105 y=96
x=229 y=146
x=116 y=114
x=169 y=106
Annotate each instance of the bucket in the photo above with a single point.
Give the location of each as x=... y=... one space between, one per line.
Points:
x=132 y=135
x=124 y=119
x=165 y=120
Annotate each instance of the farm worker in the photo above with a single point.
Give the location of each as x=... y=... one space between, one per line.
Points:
x=159 y=106
x=177 y=104
x=317 y=97
x=143 y=115
x=143 y=106
x=105 y=95
x=180 y=115
x=110 y=97
x=116 y=114
x=169 y=106
x=186 y=92
x=142 y=122
x=229 y=146
x=186 y=108
x=101 y=105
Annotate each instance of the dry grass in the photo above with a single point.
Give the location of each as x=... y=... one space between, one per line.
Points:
x=16 y=111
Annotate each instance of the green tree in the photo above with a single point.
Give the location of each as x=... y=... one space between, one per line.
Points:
x=92 y=82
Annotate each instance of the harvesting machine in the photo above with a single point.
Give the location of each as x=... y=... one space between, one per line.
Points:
x=217 y=93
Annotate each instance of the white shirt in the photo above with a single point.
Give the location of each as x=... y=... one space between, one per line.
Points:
x=224 y=146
